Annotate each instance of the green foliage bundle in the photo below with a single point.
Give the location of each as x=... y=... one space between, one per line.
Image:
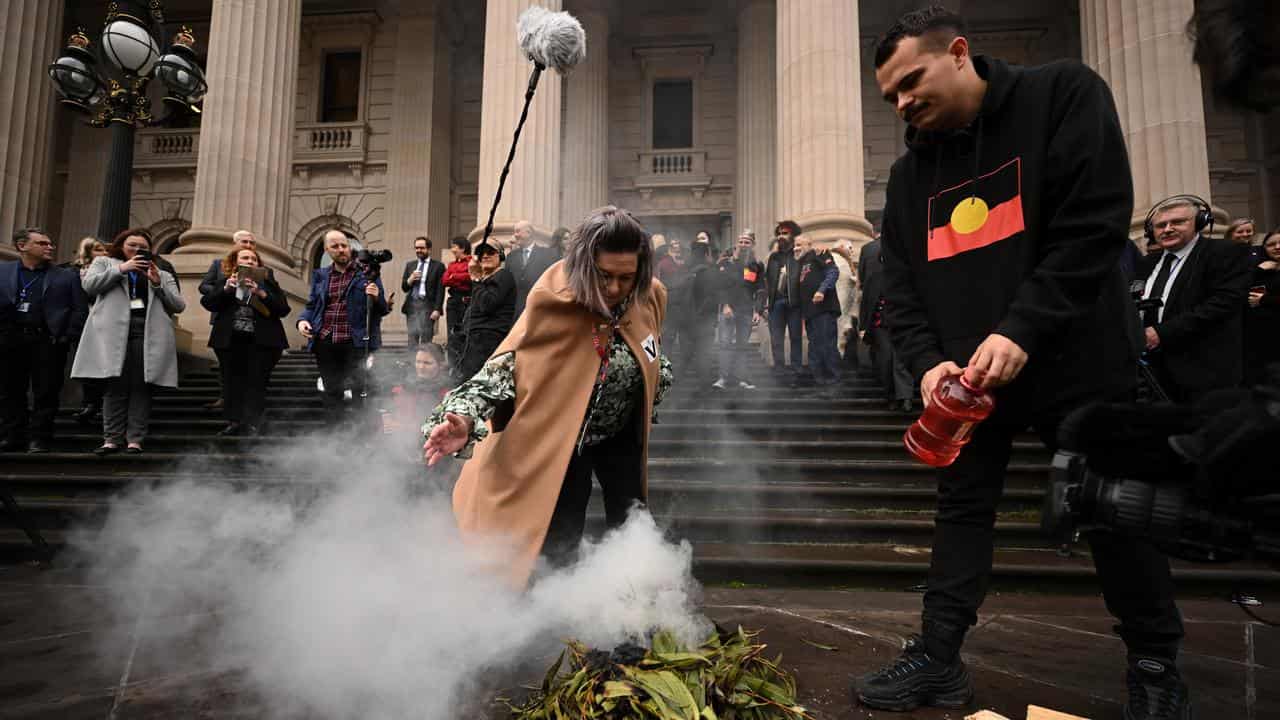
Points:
x=726 y=678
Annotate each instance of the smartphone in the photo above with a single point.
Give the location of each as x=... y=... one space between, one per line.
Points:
x=1258 y=289
x=143 y=255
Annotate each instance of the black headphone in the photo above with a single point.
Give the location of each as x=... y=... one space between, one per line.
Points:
x=1204 y=215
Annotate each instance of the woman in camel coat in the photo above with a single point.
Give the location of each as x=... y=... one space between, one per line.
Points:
x=570 y=392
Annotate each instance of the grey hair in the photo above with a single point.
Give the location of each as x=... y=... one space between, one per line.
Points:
x=24 y=234
x=606 y=229
x=1176 y=202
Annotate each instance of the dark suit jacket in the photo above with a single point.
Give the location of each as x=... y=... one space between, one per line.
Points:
x=526 y=275
x=62 y=296
x=268 y=331
x=435 y=288
x=1201 y=335
x=870 y=281
x=213 y=282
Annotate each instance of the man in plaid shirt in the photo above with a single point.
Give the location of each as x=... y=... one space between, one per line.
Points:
x=334 y=322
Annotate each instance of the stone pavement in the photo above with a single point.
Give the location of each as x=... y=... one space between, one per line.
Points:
x=1051 y=650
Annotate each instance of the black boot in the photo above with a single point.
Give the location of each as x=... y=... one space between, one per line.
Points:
x=1156 y=691
x=916 y=678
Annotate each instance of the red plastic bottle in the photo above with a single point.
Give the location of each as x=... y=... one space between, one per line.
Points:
x=947 y=424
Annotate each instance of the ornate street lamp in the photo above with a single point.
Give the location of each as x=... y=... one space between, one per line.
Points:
x=129 y=49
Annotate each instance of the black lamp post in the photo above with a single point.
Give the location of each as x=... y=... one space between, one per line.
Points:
x=130 y=50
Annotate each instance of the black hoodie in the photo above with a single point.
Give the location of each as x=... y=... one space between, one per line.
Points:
x=1047 y=156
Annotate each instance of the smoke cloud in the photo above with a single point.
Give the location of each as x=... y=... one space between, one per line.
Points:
x=350 y=594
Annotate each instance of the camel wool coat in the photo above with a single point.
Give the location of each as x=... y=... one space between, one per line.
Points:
x=508 y=490
x=106 y=333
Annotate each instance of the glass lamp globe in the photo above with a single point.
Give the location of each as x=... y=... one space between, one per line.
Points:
x=130 y=46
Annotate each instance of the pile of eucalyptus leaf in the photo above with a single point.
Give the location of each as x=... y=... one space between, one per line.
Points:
x=726 y=678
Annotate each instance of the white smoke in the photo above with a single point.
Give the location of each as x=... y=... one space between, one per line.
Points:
x=352 y=597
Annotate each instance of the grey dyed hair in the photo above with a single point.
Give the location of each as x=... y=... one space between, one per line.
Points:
x=606 y=229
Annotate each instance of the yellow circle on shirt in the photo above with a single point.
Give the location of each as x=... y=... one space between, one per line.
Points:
x=969 y=215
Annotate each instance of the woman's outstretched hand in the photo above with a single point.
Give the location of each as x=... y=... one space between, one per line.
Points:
x=446 y=438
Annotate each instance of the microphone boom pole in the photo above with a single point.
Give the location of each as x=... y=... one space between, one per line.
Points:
x=550 y=40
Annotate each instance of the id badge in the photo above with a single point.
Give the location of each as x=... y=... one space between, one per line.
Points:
x=137 y=304
x=24 y=307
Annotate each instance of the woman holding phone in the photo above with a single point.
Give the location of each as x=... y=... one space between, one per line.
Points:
x=1262 y=319
x=247 y=336
x=128 y=340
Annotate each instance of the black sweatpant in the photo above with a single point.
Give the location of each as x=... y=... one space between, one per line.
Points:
x=1135 y=578
x=30 y=361
x=246 y=368
x=618 y=466
x=339 y=369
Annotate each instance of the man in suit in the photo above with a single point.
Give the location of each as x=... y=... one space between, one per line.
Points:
x=1195 y=338
x=42 y=311
x=213 y=281
x=423 y=286
x=897 y=380
x=527 y=261
x=333 y=322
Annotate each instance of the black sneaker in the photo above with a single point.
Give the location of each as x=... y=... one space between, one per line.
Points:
x=915 y=679
x=1156 y=692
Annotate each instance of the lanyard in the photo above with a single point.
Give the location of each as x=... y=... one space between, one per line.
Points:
x=133 y=285
x=22 y=294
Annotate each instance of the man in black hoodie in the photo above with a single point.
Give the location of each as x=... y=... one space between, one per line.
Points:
x=1003 y=230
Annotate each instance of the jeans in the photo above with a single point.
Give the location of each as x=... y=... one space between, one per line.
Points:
x=35 y=361
x=338 y=368
x=735 y=333
x=785 y=319
x=1135 y=579
x=824 y=358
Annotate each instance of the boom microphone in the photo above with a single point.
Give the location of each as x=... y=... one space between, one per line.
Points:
x=548 y=39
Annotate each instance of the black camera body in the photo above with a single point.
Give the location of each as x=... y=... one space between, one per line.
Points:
x=369 y=262
x=1202 y=483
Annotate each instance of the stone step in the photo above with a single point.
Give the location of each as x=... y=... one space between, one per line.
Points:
x=737 y=449
x=687 y=469
x=871 y=565
x=906 y=500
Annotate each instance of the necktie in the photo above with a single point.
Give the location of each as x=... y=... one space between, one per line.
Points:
x=1152 y=315
x=422 y=282
x=528 y=252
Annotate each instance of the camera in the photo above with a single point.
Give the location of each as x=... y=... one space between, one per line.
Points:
x=1200 y=482
x=143 y=255
x=369 y=262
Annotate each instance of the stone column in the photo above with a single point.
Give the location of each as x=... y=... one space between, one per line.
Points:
x=820 y=154
x=757 y=159
x=246 y=130
x=586 y=132
x=1140 y=48
x=246 y=148
x=408 y=204
x=532 y=191
x=29 y=40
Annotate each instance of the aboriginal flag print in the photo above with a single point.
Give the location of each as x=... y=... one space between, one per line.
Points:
x=976 y=214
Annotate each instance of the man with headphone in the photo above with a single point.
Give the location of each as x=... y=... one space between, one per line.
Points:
x=1194 y=333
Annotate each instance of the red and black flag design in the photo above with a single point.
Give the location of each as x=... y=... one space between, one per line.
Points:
x=976 y=214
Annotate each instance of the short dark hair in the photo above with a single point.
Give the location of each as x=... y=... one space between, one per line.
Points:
x=423 y=238
x=461 y=242
x=938 y=25
x=23 y=235
x=116 y=250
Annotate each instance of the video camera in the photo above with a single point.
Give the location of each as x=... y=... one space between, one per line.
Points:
x=1201 y=482
x=369 y=262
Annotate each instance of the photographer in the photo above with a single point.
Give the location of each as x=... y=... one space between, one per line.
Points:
x=492 y=311
x=342 y=299
x=129 y=338
x=248 y=337
x=211 y=285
